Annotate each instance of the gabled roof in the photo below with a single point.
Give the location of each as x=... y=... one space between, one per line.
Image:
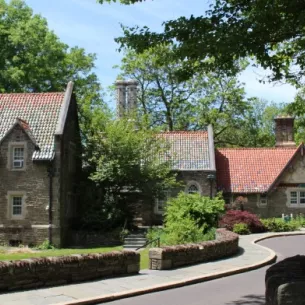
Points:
x=251 y=170
x=41 y=114
x=26 y=127
x=190 y=150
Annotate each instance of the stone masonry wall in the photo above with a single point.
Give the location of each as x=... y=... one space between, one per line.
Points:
x=52 y=271
x=32 y=183
x=226 y=244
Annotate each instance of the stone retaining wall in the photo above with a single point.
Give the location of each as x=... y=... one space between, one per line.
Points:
x=52 y=271
x=225 y=244
x=285 y=282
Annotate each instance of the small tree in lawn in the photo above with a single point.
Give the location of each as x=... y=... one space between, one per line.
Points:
x=126 y=157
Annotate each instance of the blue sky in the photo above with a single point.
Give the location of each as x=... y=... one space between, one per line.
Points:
x=92 y=26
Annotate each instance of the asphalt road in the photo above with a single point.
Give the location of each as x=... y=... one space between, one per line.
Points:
x=241 y=289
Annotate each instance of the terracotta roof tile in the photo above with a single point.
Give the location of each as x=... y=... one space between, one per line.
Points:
x=250 y=170
x=39 y=112
x=189 y=150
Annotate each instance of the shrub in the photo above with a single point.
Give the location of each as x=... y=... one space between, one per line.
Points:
x=45 y=246
x=233 y=217
x=200 y=210
x=241 y=229
x=279 y=225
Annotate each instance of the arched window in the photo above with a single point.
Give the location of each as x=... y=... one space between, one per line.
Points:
x=192 y=189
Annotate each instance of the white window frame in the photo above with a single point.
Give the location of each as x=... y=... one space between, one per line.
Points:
x=298 y=197
x=11 y=156
x=191 y=183
x=159 y=201
x=10 y=198
x=262 y=200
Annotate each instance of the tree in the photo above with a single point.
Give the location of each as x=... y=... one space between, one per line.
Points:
x=173 y=104
x=33 y=59
x=127 y=167
x=270 y=30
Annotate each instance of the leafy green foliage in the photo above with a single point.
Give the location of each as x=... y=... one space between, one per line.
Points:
x=45 y=246
x=272 y=31
x=125 y=166
x=279 y=225
x=33 y=59
x=189 y=217
x=206 y=98
x=241 y=229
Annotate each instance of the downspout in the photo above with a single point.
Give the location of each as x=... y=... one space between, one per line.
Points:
x=50 y=175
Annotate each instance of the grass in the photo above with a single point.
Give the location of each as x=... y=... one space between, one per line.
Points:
x=144 y=263
x=5 y=255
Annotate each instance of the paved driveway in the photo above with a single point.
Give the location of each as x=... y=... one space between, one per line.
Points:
x=241 y=289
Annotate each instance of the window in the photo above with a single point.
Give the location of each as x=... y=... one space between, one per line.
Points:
x=17 y=154
x=192 y=189
x=16 y=205
x=160 y=203
x=262 y=200
x=18 y=157
x=296 y=198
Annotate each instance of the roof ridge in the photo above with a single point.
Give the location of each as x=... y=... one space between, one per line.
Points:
x=34 y=93
x=256 y=148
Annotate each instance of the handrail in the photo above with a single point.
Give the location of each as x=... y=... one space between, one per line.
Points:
x=150 y=242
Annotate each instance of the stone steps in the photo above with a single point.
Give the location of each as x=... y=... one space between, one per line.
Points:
x=134 y=240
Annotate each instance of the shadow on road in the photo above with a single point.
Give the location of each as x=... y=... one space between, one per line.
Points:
x=253 y=299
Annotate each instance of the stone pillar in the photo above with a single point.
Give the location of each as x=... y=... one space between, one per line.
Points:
x=284 y=131
x=132 y=88
x=120 y=98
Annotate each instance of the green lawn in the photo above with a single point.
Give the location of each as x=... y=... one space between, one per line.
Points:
x=4 y=255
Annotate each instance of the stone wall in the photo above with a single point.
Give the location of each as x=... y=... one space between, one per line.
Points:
x=52 y=271
x=32 y=183
x=285 y=282
x=226 y=244
x=93 y=239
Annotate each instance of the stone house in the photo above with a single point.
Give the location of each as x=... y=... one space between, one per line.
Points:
x=192 y=154
x=39 y=166
x=272 y=179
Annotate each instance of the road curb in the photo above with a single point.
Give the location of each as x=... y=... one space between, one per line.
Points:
x=194 y=280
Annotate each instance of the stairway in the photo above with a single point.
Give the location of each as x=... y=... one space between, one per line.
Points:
x=135 y=240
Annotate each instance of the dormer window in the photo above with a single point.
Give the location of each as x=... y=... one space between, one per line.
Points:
x=18 y=157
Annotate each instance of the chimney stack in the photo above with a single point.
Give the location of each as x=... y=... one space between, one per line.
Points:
x=120 y=97
x=126 y=97
x=284 y=131
x=132 y=86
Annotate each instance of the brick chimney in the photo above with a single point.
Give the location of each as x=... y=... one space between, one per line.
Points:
x=284 y=131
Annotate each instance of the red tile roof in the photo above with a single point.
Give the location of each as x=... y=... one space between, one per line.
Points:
x=189 y=150
x=38 y=111
x=251 y=170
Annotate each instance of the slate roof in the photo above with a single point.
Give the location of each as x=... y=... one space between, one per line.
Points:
x=189 y=150
x=251 y=170
x=38 y=113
